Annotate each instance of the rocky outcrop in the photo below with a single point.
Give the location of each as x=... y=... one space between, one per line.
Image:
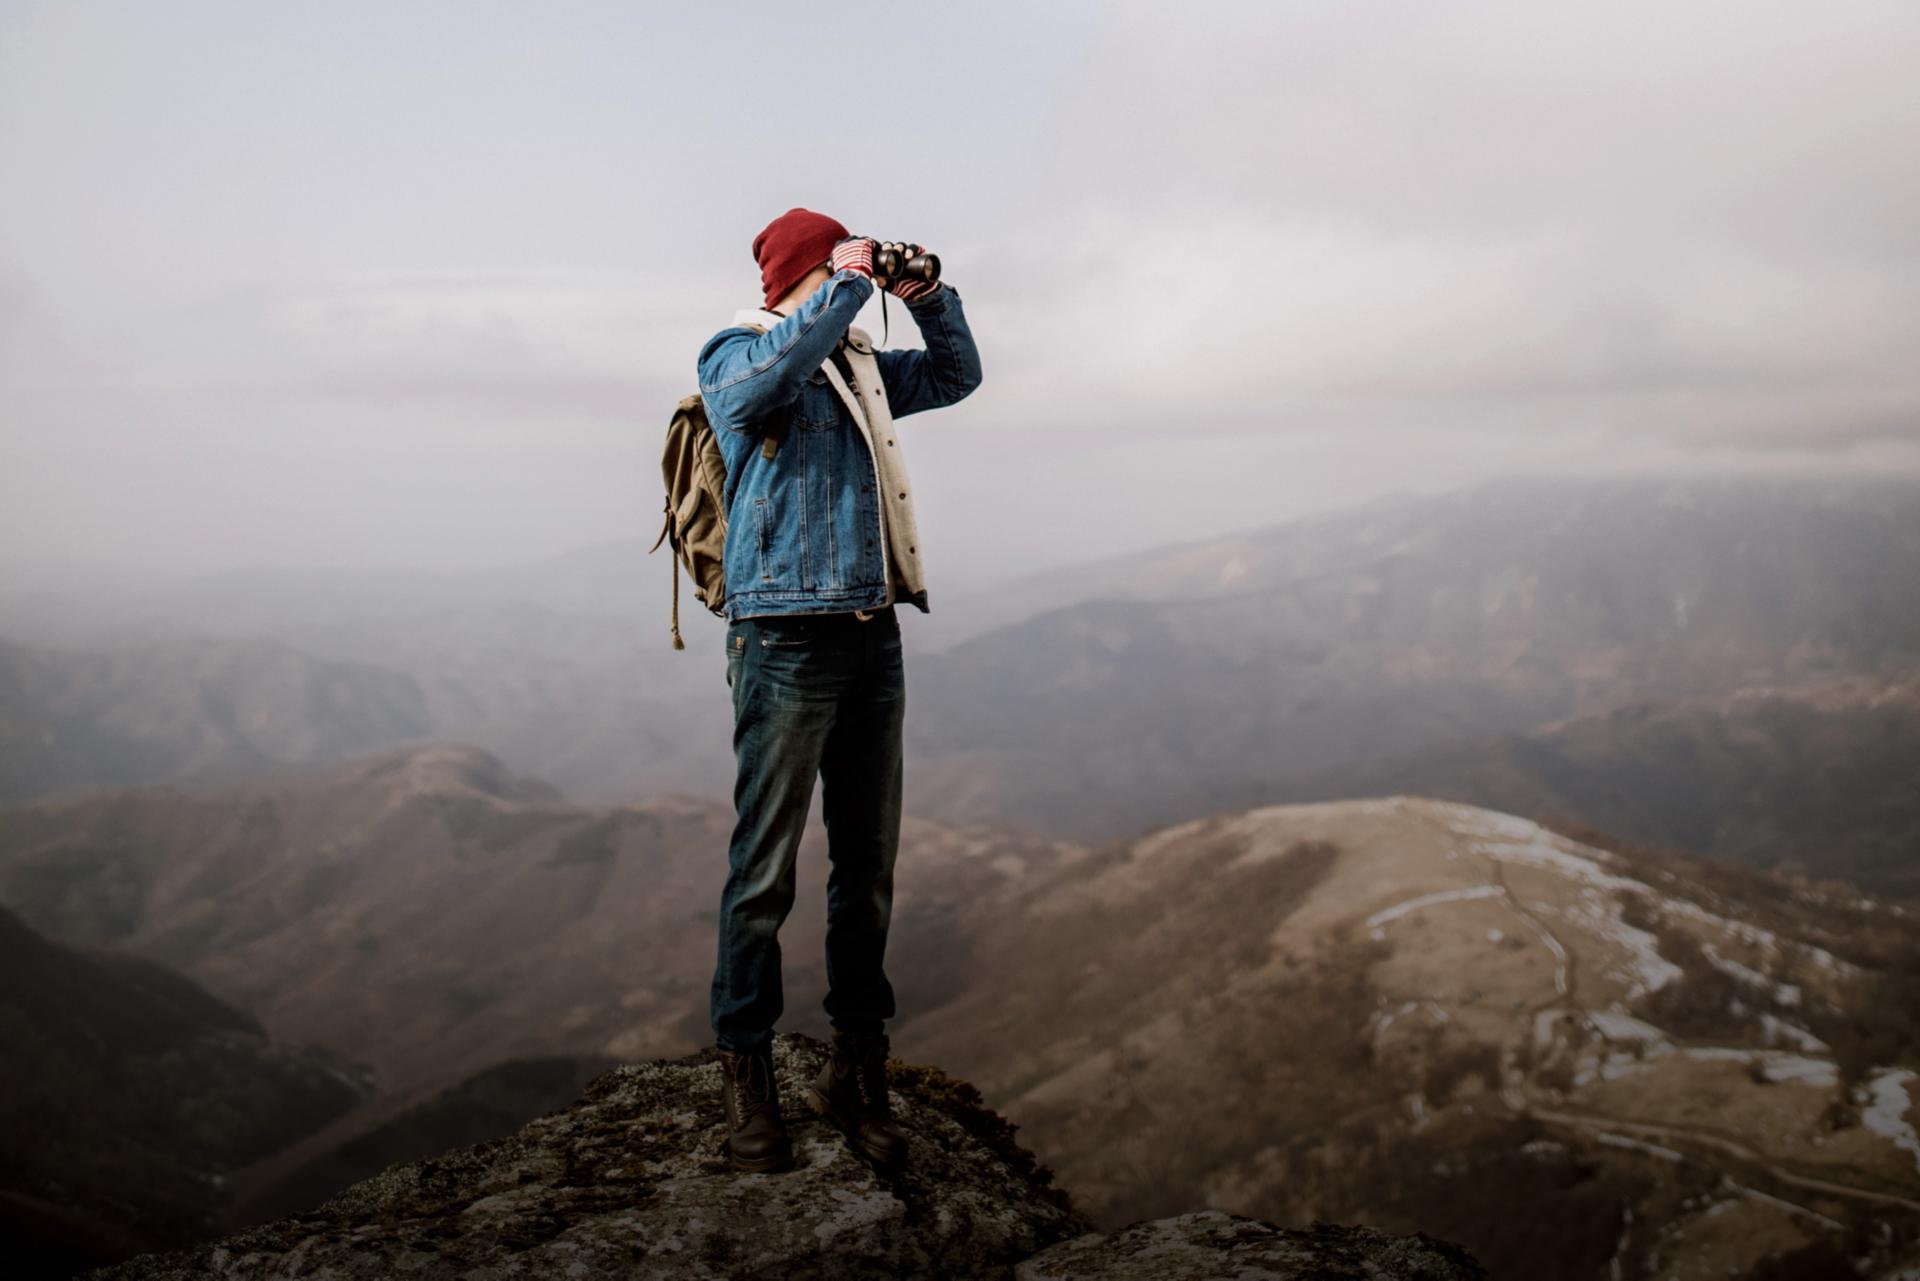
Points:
x=631 y=1182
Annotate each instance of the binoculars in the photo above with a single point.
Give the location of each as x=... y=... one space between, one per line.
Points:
x=911 y=265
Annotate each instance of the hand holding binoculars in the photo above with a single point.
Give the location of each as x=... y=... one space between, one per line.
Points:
x=897 y=260
x=889 y=260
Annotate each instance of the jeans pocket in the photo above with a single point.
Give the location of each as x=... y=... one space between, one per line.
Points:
x=787 y=631
x=780 y=639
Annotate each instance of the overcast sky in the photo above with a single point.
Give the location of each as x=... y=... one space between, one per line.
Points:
x=418 y=284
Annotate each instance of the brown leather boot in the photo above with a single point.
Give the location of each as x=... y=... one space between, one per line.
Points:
x=756 y=1133
x=851 y=1092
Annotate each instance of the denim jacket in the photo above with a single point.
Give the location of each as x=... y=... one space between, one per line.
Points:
x=807 y=529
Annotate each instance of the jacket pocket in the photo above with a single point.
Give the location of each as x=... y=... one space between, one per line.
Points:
x=817 y=408
x=762 y=534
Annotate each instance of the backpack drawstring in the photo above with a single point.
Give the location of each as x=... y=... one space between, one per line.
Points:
x=678 y=642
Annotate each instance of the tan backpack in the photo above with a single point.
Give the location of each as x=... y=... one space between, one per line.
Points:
x=695 y=472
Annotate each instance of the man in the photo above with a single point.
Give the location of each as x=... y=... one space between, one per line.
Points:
x=821 y=543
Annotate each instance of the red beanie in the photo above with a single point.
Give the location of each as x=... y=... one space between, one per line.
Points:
x=792 y=245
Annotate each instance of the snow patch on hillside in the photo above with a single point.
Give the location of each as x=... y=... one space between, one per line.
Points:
x=1764 y=940
x=1508 y=839
x=1888 y=1108
x=1774 y=1028
x=1787 y=994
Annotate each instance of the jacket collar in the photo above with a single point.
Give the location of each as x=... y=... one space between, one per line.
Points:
x=857 y=338
x=756 y=316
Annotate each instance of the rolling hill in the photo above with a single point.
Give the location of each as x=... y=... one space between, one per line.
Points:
x=1568 y=1058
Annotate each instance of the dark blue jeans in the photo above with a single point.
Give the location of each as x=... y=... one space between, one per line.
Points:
x=814 y=695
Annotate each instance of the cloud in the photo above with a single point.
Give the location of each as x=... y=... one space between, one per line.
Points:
x=1258 y=322
x=347 y=280
x=1682 y=221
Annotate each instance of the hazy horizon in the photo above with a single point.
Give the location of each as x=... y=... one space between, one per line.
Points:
x=29 y=574
x=418 y=288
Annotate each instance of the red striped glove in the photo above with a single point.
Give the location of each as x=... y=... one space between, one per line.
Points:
x=854 y=253
x=907 y=288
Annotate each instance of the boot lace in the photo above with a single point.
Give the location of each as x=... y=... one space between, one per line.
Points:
x=752 y=1085
x=870 y=1071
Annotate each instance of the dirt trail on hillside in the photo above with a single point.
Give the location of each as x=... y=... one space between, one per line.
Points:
x=1602 y=1121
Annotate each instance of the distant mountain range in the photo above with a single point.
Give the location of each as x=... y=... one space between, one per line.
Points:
x=1817 y=778
x=1413 y=630
x=1608 y=648
x=188 y=709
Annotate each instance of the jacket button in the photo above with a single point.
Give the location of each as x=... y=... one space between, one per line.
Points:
x=903 y=493
x=889 y=442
